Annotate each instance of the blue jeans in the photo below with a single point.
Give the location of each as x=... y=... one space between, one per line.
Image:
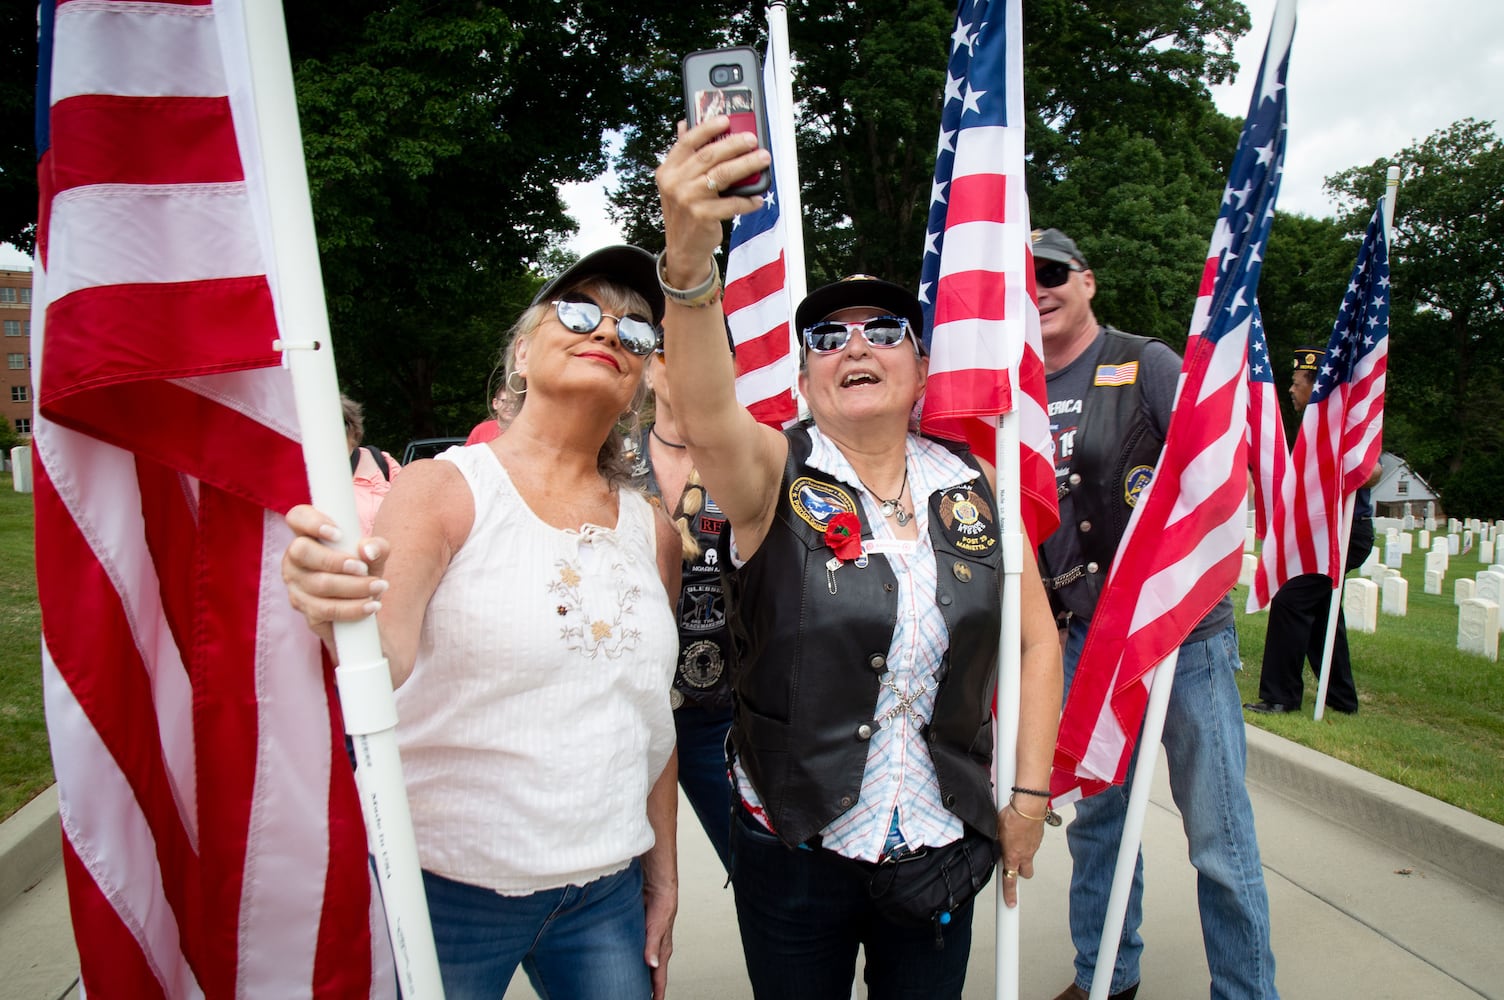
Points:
x=802 y=914
x=701 y=738
x=575 y=943
x=1206 y=751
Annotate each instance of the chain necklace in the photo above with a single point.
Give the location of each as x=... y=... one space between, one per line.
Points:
x=893 y=508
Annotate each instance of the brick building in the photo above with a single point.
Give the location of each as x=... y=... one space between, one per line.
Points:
x=17 y=402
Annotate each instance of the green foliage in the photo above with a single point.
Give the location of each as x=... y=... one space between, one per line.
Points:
x=18 y=152
x=25 y=761
x=1447 y=317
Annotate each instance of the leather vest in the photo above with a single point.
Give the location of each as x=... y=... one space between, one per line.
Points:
x=1116 y=448
x=701 y=677
x=811 y=643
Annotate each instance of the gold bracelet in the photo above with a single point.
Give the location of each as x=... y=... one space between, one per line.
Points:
x=1050 y=816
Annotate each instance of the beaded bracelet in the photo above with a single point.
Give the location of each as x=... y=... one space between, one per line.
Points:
x=1030 y=791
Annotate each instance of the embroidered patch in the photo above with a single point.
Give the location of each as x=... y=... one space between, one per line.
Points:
x=1124 y=374
x=816 y=502
x=701 y=607
x=967 y=520
x=598 y=637
x=1136 y=482
x=701 y=664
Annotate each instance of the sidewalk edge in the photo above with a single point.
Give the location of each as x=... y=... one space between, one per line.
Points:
x=31 y=844
x=1465 y=846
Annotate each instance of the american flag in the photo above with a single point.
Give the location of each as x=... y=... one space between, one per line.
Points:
x=757 y=300
x=1268 y=454
x=212 y=836
x=976 y=286
x=1184 y=543
x=1340 y=432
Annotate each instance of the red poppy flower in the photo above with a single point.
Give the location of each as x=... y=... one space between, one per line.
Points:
x=844 y=536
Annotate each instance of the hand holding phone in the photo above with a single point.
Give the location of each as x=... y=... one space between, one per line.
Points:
x=729 y=82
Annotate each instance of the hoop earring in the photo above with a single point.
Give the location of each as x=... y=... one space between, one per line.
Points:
x=512 y=388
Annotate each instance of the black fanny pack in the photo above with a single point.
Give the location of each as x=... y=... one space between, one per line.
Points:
x=924 y=887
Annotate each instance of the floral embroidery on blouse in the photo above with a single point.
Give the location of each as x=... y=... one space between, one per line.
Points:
x=609 y=637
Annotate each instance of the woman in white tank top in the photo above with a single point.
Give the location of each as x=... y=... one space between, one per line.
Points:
x=524 y=602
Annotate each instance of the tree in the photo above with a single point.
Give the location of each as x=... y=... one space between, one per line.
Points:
x=1444 y=390
x=18 y=153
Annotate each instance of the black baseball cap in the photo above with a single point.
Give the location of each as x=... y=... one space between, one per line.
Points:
x=860 y=290
x=629 y=266
x=1309 y=359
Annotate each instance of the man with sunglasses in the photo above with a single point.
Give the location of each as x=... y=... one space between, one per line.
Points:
x=1110 y=397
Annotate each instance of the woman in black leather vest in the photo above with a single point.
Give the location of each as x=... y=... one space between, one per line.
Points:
x=863 y=585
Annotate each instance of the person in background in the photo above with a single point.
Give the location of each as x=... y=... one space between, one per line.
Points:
x=863 y=587
x=702 y=682
x=1299 y=610
x=1110 y=397
x=372 y=470
x=524 y=594
x=490 y=428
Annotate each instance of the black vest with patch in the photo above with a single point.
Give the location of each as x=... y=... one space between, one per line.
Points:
x=1116 y=447
x=807 y=660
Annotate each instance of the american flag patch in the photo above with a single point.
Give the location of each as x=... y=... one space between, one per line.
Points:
x=1125 y=374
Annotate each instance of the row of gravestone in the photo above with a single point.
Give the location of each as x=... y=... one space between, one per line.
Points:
x=1381 y=589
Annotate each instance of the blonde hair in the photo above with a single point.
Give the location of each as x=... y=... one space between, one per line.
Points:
x=612 y=461
x=355 y=418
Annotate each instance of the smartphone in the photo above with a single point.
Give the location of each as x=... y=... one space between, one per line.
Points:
x=729 y=82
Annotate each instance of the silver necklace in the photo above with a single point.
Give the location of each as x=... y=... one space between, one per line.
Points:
x=893 y=508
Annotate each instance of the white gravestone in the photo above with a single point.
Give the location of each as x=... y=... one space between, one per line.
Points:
x=1436 y=562
x=1430 y=524
x=1382 y=573
x=1396 y=596
x=1454 y=545
x=1368 y=564
x=1407 y=543
x=1490 y=586
x=1454 y=526
x=1250 y=567
x=1393 y=557
x=1463 y=590
x=1425 y=538
x=1392 y=536
x=1478 y=628
x=1360 y=605
x=1250 y=539
x=1433 y=581
x=1440 y=547
x=1486 y=551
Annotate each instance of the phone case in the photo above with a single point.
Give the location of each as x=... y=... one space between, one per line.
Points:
x=729 y=82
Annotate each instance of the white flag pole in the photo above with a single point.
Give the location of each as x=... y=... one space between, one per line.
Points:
x=780 y=72
x=1009 y=671
x=364 y=682
x=1133 y=824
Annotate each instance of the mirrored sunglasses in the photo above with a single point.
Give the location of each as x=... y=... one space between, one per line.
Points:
x=829 y=336
x=1053 y=273
x=581 y=315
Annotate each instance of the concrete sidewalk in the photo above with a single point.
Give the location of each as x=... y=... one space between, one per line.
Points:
x=1375 y=892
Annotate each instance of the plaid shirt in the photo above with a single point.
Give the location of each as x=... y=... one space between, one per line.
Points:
x=899 y=788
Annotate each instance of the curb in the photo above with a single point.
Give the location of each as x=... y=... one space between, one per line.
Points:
x=31 y=845
x=1467 y=847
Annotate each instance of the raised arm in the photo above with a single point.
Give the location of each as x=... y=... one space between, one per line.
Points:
x=739 y=460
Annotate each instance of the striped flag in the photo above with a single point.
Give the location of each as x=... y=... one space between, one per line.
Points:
x=1268 y=454
x=1340 y=432
x=1184 y=543
x=976 y=286
x=757 y=301
x=211 y=833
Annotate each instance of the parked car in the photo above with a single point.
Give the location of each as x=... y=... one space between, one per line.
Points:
x=428 y=447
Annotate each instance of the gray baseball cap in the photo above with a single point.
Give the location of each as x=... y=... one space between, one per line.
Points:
x=1052 y=244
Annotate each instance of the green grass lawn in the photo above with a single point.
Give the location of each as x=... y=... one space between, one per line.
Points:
x=25 y=764
x=1431 y=717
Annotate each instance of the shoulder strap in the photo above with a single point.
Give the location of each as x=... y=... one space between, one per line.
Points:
x=381 y=462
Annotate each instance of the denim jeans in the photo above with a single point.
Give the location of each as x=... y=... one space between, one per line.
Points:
x=575 y=943
x=1206 y=751
x=802 y=914
x=701 y=737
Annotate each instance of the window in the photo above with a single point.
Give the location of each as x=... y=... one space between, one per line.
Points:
x=23 y=425
x=13 y=328
x=17 y=361
x=1402 y=487
x=7 y=295
x=26 y=295
x=20 y=393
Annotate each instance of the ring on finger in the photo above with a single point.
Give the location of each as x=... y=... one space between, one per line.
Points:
x=710 y=183
x=1010 y=873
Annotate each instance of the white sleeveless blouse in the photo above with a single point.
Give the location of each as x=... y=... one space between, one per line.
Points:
x=537 y=715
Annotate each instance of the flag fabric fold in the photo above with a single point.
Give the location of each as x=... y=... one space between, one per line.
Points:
x=1340 y=433
x=976 y=285
x=1183 y=548
x=757 y=301
x=212 y=836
